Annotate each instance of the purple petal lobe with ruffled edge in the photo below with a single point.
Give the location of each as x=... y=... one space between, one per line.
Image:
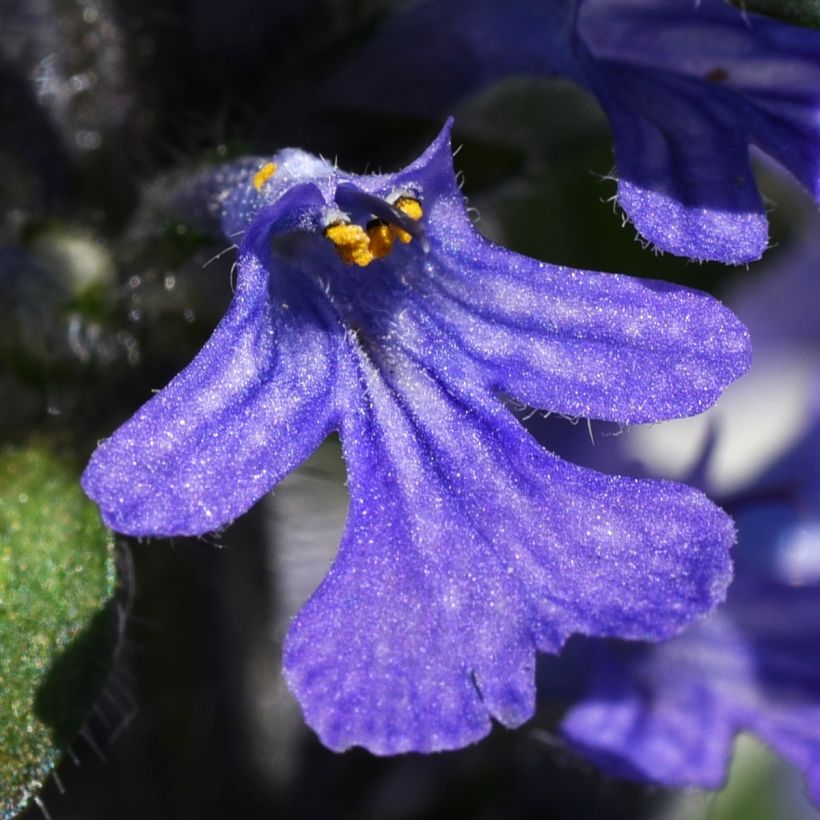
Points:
x=260 y=396
x=668 y=714
x=467 y=548
x=684 y=178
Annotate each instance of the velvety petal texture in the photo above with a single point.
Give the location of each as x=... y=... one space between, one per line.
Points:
x=687 y=88
x=467 y=548
x=369 y=305
x=259 y=398
x=669 y=713
x=684 y=178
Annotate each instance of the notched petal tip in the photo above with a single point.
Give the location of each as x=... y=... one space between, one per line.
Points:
x=393 y=726
x=618 y=557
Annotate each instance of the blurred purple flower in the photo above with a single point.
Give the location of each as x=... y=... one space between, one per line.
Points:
x=687 y=88
x=669 y=713
x=370 y=305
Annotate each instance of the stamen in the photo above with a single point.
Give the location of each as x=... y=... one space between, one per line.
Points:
x=381 y=238
x=350 y=198
x=352 y=243
x=400 y=221
x=412 y=208
x=263 y=175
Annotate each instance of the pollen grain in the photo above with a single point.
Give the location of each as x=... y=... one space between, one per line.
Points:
x=381 y=238
x=360 y=246
x=412 y=207
x=352 y=243
x=263 y=175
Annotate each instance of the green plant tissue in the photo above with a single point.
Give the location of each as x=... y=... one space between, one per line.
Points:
x=800 y=12
x=57 y=618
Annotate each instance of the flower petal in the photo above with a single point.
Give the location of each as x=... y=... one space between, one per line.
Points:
x=467 y=548
x=686 y=89
x=684 y=178
x=257 y=400
x=669 y=713
x=585 y=344
x=588 y=344
x=766 y=70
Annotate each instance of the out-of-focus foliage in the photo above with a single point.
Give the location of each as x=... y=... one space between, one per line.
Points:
x=760 y=787
x=801 y=12
x=57 y=621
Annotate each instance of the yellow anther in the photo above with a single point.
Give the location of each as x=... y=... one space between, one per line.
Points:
x=263 y=175
x=381 y=239
x=361 y=246
x=352 y=243
x=411 y=207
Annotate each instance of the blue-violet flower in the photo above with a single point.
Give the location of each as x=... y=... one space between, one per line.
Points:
x=687 y=88
x=668 y=713
x=371 y=306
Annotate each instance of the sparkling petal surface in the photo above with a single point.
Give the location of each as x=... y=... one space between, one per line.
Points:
x=256 y=401
x=569 y=341
x=669 y=713
x=467 y=548
x=684 y=178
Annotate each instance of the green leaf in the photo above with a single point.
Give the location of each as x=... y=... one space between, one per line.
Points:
x=799 y=12
x=57 y=619
x=760 y=786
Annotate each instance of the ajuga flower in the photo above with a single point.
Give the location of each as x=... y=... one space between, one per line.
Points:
x=687 y=88
x=370 y=305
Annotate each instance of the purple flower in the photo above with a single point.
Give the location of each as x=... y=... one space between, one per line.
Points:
x=370 y=305
x=687 y=88
x=669 y=713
